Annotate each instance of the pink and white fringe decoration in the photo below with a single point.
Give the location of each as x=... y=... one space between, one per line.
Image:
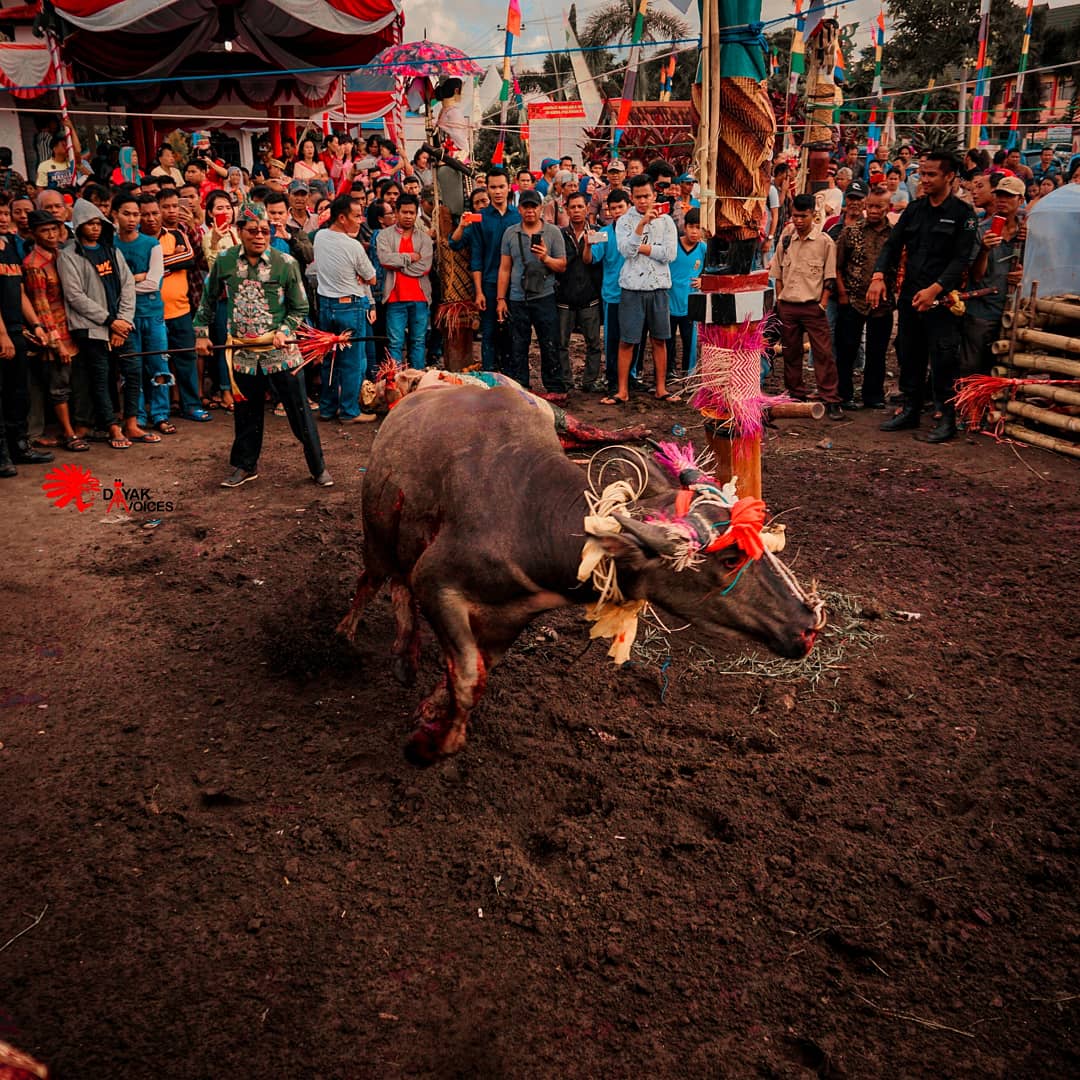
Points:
x=728 y=378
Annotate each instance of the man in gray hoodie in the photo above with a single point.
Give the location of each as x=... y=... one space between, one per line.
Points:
x=99 y=296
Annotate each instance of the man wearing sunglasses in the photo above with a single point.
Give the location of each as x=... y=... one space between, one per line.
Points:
x=265 y=301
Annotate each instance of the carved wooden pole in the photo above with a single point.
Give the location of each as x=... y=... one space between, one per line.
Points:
x=822 y=98
x=734 y=150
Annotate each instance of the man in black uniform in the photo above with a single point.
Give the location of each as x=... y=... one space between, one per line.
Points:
x=938 y=233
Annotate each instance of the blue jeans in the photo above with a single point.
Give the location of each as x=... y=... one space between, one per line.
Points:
x=407 y=316
x=154 y=376
x=181 y=339
x=344 y=368
x=494 y=335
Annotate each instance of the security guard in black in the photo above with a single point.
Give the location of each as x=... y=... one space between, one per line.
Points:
x=937 y=231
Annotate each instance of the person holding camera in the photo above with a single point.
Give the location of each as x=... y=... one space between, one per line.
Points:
x=997 y=266
x=532 y=253
x=648 y=242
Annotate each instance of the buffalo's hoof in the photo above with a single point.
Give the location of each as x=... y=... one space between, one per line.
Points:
x=422 y=749
x=403 y=671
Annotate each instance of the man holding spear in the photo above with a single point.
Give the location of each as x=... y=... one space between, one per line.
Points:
x=266 y=303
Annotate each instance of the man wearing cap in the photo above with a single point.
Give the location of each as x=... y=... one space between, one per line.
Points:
x=554 y=210
x=857 y=250
x=532 y=254
x=936 y=231
x=685 y=199
x=301 y=219
x=996 y=266
x=598 y=208
x=548 y=168
x=265 y=300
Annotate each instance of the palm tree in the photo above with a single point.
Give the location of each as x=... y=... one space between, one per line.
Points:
x=613 y=24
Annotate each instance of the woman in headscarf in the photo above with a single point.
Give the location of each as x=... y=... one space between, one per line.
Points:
x=234 y=185
x=127 y=172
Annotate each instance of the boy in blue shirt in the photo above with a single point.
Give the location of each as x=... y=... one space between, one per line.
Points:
x=685 y=276
x=606 y=254
x=146 y=261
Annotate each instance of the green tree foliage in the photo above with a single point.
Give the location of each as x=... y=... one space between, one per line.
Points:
x=928 y=37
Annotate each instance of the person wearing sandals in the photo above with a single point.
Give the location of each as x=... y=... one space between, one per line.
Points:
x=146 y=261
x=648 y=242
x=160 y=219
x=53 y=335
x=99 y=298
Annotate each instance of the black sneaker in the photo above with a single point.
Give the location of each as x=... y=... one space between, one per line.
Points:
x=238 y=477
x=834 y=411
x=851 y=405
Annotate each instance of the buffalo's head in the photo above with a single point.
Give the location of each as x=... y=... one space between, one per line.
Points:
x=707 y=561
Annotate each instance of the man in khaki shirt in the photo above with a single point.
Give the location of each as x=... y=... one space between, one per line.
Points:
x=804 y=269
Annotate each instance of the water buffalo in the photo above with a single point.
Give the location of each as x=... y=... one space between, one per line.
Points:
x=476 y=518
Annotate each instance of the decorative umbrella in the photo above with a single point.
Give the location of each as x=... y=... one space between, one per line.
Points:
x=416 y=59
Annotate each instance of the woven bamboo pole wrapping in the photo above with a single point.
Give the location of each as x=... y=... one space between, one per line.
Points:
x=822 y=93
x=744 y=144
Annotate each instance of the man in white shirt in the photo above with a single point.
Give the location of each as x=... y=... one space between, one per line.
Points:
x=648 y=242
x=344 y=274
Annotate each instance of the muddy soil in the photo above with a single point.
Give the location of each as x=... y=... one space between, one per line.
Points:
x=696 y=866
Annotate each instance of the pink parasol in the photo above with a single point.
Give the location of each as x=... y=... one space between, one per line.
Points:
x=416 y=59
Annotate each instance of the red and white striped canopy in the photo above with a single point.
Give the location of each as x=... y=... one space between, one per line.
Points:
x=132 y=38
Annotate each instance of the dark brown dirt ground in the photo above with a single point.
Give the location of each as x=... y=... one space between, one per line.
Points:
x=204 y=792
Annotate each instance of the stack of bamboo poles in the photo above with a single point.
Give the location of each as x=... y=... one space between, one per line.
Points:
x=1043 y=342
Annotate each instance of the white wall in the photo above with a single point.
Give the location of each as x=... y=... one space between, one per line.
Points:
x=11 y=133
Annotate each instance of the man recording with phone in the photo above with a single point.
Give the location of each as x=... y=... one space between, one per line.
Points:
x=532 y=253
x=997 y=266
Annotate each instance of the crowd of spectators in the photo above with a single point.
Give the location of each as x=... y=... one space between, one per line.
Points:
x=125 y=291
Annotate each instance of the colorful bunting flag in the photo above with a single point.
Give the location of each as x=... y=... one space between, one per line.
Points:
x=513 y=19
x=982 y=77
x=1014 y=121
x=630 y=78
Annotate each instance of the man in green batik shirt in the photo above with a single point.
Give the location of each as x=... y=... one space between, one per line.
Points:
x=266 y=303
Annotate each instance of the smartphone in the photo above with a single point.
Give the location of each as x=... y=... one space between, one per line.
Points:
x=222 y=218
x=997 y=225
x=598 y=237
x=663 y=207
x=472 y=219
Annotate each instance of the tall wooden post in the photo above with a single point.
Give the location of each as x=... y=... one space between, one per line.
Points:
x=734 y=149
x=822 y=98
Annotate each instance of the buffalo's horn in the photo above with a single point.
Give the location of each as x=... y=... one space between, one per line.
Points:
x=654 y=537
